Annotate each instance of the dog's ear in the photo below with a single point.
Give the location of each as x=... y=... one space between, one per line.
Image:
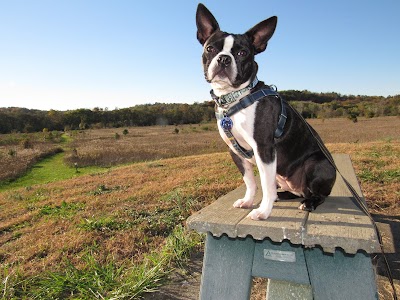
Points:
x=261 y=33
x=206 y=23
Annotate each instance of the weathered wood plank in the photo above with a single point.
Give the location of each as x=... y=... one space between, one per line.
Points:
x=221 y=217
x=284 y=223
x=337 y=223
x=345 y=166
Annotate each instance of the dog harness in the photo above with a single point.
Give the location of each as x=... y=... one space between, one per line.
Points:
x=227 y=123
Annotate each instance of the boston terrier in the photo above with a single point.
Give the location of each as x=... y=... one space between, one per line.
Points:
x=258 y=126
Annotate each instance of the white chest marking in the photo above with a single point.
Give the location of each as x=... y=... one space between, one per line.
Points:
x=243 y=129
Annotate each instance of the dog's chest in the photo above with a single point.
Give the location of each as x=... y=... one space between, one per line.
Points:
x=243 y=128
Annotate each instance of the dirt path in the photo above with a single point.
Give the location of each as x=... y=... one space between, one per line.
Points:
x=187 y=286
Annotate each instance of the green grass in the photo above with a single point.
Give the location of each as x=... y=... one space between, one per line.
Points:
x=104 y=224
x=48 y=170
x=379 y=176
x=65 y=210
x=66 y=139
x=99 y=280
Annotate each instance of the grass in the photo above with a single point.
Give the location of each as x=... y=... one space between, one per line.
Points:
x=65 y=210
x=118 y=234
x=47 y=225
x=19 y=152
x=377 y=166
x=104 y=280
x=48 y=170
x=105 y=224
x=101 y=148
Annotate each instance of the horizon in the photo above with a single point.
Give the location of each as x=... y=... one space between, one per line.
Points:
x=196 y=102
x=68 y=55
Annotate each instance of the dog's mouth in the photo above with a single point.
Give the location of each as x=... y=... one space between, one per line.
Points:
x=221 y=75
x=221 y=84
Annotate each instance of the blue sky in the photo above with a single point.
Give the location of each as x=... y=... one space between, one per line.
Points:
x=70 y=54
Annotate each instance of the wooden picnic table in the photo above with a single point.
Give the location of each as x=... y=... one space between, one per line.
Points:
x=324 y=254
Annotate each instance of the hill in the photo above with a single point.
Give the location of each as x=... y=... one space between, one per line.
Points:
x=311 y=105
x=119 y=231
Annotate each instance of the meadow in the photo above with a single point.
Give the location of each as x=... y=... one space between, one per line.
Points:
x=116 y=231
x=19 y=152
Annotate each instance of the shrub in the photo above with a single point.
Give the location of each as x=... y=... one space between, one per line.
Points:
x=27 y=143
x=12 y=152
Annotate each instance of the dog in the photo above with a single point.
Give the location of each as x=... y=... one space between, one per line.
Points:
x=268 y=132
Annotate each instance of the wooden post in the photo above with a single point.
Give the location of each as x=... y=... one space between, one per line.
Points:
x=227 y=268
x=340 y=275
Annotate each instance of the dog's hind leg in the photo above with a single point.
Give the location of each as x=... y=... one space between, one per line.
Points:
x=311 y=203
x=246 y=168
x=320 y=179
x=286 y=195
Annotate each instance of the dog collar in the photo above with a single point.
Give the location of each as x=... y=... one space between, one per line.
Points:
x=227 y=99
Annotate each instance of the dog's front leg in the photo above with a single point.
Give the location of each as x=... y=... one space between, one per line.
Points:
x=246 y=168
x=267 y=172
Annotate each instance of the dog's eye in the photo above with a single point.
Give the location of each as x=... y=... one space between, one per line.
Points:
x=242 y=53
x=210 y=49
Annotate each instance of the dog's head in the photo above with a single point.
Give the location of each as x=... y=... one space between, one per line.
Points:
x=228 y=59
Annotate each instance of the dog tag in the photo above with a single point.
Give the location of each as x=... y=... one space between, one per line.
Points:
x=226 y=123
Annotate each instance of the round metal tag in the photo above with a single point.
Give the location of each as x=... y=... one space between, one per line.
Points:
x=226 y=123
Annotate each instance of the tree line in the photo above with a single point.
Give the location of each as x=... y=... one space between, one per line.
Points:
x=309 y=104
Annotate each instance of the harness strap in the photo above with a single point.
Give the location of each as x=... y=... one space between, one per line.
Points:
x=246 y=102
x=243 y=152
x=254 y=97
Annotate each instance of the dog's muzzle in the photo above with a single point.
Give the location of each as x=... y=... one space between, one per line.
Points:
x=224 y=61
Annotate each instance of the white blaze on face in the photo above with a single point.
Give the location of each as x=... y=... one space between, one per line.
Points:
x=223 y=85
x=228 y=44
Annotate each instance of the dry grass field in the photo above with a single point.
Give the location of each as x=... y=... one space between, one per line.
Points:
x=108 y=147
x=19 y=152
x=104 y=226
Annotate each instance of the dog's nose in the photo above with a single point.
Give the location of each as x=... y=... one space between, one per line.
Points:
x=224 y=60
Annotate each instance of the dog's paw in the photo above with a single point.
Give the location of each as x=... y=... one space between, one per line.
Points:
x=311 y=204
x=259 y=214
x=305 y=208
x=243 y=203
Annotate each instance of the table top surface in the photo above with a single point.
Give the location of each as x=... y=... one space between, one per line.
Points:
x=337 y=223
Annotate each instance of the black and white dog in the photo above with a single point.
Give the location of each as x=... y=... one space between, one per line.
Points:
x=292 y=158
